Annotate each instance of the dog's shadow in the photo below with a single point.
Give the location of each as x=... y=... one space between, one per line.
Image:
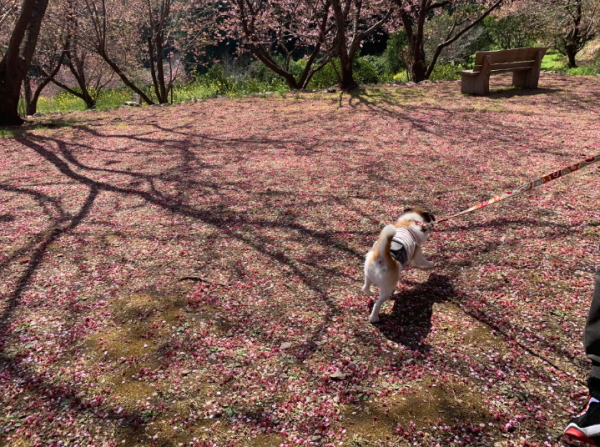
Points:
x=409 y=322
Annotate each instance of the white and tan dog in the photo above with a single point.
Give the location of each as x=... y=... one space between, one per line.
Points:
x=399 y=246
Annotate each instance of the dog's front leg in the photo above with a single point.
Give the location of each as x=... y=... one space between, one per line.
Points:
x=419 y=260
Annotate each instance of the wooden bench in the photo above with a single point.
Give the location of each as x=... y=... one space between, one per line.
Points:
x=525 y=64
x=136 y=101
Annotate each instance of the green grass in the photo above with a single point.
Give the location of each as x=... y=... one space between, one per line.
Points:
x=10 y=133
x=554 y=61
x=65 y=102
x=44 y=123
x=112 y=98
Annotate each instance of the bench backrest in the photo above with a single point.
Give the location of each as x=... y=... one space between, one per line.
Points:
x=506 y=59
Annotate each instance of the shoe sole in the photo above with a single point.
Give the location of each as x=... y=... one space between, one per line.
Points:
x=575 y=435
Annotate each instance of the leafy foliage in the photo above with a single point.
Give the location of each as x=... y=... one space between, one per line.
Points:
x=394 y=53
x=513 y=31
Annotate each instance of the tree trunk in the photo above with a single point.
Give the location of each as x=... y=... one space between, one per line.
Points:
x=572 y=44
x=17 y=58
x=31 y=98
x=30 y=104
x=32 y=107
x=90 y=102
x=76 y=64
x=347 y=82
x=571 y=51
x=418 y=65
x=9 y=106
x=161 y=88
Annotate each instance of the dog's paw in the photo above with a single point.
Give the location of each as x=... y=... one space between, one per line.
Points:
x=367 y=291
x=429 y=265
x=374 y=319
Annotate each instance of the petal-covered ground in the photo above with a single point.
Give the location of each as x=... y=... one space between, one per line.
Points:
x=190 y=275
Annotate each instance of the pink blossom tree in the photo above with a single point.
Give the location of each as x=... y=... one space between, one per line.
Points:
x=291 y=28
x=48 y=57
x=170 y=27
x=86 y=74
x=355 y=21
x=520 y=23
x=575 y=23
x=414 y=14
x=113 y=30
x=319 y=30
x=62 y=59
x=173 y=28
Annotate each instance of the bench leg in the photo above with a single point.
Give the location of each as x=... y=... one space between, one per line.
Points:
x=526 y=79
x=475 y=85
x=529 y=78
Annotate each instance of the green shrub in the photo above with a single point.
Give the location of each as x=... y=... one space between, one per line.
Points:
x=366 y=70
x=392 y=56
x=512 y=31
x=194 y=90
x=216 y=78
x=297 y=67
x=216 y=82
x=372 y=70
x=326 y=77
x=400 y=77
x=65 y=102
x=113 y=98
x=444 y=72
x=262 y=74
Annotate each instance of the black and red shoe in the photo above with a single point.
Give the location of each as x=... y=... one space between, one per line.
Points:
x=585 y=427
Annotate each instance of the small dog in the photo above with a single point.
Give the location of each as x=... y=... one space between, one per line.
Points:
x=399 y=246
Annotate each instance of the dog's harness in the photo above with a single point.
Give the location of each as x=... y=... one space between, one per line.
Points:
x=403 y=246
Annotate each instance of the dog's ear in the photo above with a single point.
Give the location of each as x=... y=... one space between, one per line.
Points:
x=407 y=210
x=428 y=216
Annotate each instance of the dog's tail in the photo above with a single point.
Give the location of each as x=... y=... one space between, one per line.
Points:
x=385 y=241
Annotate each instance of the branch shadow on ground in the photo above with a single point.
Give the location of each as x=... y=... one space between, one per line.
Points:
x=409 y=323
x=218 y=218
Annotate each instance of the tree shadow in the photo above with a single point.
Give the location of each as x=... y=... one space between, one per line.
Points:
x=510 y=92
x=7 y=217
x=409 y=323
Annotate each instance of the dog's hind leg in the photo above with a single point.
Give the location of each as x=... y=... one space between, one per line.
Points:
x=366 y=288
x=384 y=295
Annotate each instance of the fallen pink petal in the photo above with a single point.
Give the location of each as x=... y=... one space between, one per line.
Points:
x=191 y=275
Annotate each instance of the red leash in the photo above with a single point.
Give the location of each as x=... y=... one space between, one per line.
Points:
x=534 y=184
